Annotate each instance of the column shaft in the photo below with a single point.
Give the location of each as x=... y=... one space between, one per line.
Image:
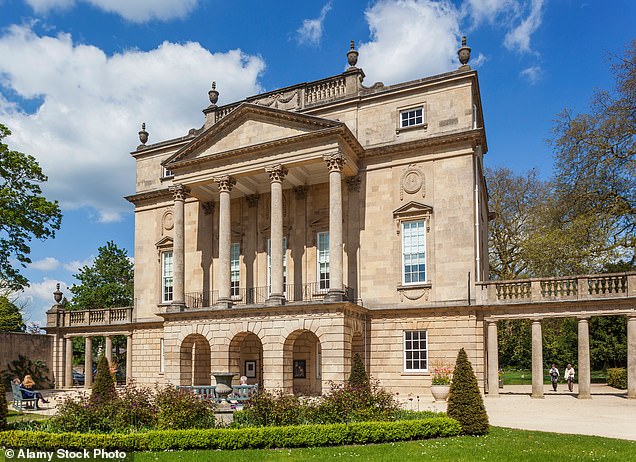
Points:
x=109 y=349
x=537 y=360
x=493 y=360
x=584 y=360
x=225 y=184
x=129 y=359
x=178 y=245
x=68 y=363
x=88 y=362
x=277 y=289
x=631 y=357
x=335 y=163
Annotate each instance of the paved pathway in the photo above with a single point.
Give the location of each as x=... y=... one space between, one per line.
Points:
x=609 y=413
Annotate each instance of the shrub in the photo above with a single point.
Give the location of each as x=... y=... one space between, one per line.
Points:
x=3 y=408
x=180 y=409
x=617 y=378
x=465 y=403
x=274 y=409
x=135 y=409
x=358 y=377
x=104 y=386
x=80 y=415
x=243 y=438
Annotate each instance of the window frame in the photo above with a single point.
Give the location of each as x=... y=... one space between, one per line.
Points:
x=412 y=350
x=164 y=286
x=235 y=269
x=408 y=109
x=404 y=236
x=319 y=273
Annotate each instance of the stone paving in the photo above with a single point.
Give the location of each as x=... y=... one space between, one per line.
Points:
x=608 y=413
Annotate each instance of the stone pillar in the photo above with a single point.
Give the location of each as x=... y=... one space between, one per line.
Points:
x=493 y=359
x=109 y=349
x=584 y=359
x=631 y=357
x=88 y=362
x=225 y=183
x=68 y=363
x=537 y=359
x=129 y=359
x=276 y=175
x=178 y=244
x=335 y=162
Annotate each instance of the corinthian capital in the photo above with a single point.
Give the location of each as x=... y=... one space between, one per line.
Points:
x=276 y=173
x=335 y=161
x=226 y=183
x=179 y=191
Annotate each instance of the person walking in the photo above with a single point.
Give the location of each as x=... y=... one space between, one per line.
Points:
x=554 y=376
x=569 y=376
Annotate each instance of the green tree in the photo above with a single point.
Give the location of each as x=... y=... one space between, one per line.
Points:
x=107 y=283
x=24 y=212
x=465 y=403
x=358 y=377
x=595 y=159
x=10 y=316
x=104 y=387
x=4 y=411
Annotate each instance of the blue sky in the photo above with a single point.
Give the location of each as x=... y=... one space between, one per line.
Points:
x=77 y=78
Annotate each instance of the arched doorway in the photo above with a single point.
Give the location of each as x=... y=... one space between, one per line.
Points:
x=302 y=363
x=246 y=357
x=195 y=361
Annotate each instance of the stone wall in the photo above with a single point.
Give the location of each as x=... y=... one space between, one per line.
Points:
x=33 y=346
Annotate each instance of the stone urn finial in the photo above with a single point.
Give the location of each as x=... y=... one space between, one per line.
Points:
x=464 y=54
x=213 y=94
x=57 y=295
x=143 y=134
x=352 y=55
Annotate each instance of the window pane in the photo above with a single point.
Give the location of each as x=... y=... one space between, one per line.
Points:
x=415 y=351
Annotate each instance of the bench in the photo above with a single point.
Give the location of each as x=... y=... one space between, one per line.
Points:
x=18 y=400
x=240 y=393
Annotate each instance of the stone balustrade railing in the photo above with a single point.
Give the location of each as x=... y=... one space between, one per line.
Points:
x=590 y=286
x=90 y=317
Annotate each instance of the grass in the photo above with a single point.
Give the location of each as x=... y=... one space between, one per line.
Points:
x=524 y=377
x=502 y=444
x=15 y=416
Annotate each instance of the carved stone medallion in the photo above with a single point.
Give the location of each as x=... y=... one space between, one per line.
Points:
x=412 y=181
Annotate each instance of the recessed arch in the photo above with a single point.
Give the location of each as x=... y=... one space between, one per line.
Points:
x=194 y=361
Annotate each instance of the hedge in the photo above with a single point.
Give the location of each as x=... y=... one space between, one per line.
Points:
x=617 y=378
x=242 y=438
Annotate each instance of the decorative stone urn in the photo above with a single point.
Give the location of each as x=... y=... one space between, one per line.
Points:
x=440 y=392
x=223 y=384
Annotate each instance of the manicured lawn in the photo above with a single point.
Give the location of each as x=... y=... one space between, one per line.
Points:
x=15 y=416
x=501 y=444
x=524 y=377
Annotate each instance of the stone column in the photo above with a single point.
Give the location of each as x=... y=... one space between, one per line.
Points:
x=129 y=359
x=109 y=349
x=584 y=359
x=493 y=359
x=631 y=357
x=88 y=362
x=276 y=175
x=225 y=183
x=68 y=363
x=179 y=192
x=537 y=359
x=335 y=163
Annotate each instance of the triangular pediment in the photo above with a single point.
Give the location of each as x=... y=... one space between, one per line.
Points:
x=412 y=209
x=250 y=125
x=164 y=242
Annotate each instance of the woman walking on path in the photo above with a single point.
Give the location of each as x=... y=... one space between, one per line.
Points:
x=569 y=376
x=554 y=376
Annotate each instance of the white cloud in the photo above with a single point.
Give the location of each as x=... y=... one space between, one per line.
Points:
x=38 y=298
x=410 y=39
x=312 y=29
x=533 y=74
x=74 y=265
x=93 y=104
x=489 y=10
x=519 y=38
x=46 y=264
x=135 y=11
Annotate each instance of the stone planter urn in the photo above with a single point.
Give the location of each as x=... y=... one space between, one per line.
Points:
x=223 y=384
x=440 y=392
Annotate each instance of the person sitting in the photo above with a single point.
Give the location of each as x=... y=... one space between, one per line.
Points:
x=26 y=388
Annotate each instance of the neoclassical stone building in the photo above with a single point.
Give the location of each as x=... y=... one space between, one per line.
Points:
x=301 y=226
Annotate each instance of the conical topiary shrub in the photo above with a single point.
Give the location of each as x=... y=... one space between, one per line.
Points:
x=3 y=407
x=358 y=377
x=104 y=386
x=464 y=400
